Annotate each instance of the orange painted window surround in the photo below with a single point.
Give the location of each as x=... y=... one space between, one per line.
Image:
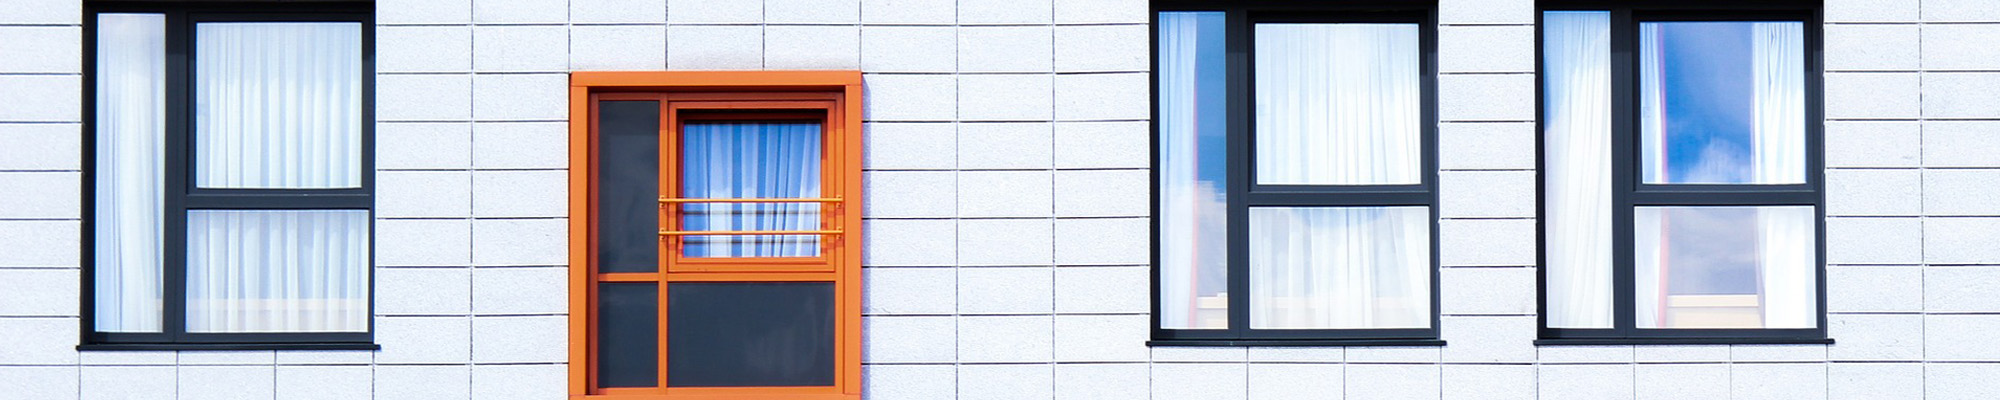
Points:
x=780 y=94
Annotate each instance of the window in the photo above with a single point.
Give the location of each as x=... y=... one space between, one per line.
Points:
x=1294 y=168
x=1682 y=184
x=715 y=234
x=230 y=179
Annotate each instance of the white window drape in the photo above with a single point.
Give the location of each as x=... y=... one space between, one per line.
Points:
x=131 y=131
x=751 y=160
x=1778 y=61
x=1576 y=49
x=277 y=271
x=1338 y=104
x=1192 y=172
x=278 y=105
x=1339 y=267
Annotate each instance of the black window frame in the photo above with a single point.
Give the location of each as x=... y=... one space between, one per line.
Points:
x=1243 y=193
x=180 y=194
x=1630 y=192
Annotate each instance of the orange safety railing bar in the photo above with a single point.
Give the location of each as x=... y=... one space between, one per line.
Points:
x=745 y=233
x=665 y=200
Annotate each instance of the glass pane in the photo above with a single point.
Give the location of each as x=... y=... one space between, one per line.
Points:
x=628 y=186
x=1722 y=102
x=1193 y=170
x=628 y=334
x=750 y=334
x=1576 y=84
x=131 y=131
x=1340 y=267
x=1338 y=104
x=277 y=271
x=730 y=160
x=278 y=105
x=1726 y=267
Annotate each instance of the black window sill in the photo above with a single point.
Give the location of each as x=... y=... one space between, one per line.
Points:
x=1294 y=343
x=225 y=346
x=1674 y=341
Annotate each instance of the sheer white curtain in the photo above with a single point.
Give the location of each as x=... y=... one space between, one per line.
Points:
x=1338 y=104
x=1790 y=297
x=1576 y=48
x=131 y=127
x=1339 y=267
x=1786 y=244
x=277 y=271
x=1193 y=212
x=1778 y=61
x=751 y=160
x=278 y=105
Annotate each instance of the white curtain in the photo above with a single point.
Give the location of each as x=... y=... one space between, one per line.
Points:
x=1576 y=48
x=1650 y=265
x=131 y=127
x=278 y=105
x=751 y=160
x=1338 y=104
x=1339 y=267
x=1778 y=60
x=277 y=271
x=1193 y=213
x=1785 y=251
x=1652 y=103
x=1786 y=246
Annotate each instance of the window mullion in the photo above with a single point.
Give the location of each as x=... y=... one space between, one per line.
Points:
x=1624 y=149
x=1237 y=34
x=179 y=126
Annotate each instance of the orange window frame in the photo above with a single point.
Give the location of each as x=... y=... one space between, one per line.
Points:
x=834 y=96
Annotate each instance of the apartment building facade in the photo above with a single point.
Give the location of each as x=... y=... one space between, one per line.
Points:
x=999 y=199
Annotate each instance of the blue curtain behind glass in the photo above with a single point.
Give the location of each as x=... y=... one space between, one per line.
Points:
x=751 y=160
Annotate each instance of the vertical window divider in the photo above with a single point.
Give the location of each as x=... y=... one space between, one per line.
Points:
x=179 y=155
x=1241 y=79
x=1624 y=59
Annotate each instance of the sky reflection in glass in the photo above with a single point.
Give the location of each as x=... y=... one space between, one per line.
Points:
x=1722 y=102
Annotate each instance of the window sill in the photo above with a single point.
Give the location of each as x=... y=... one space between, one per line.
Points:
x=225 y=346
x=1293 y=342
x=1674 y=341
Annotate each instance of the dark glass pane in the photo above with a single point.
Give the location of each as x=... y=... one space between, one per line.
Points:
x=628 y=335
x=750 y=334
x=628 y=186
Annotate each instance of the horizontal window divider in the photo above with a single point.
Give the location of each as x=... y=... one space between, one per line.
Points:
x=1292 y=343
x=1352 y=199
x=1677 y=341
x=1486 y=72
x=280 y=202
x=1671 y=199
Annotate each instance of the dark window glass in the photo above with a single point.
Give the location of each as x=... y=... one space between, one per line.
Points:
x=628 y=338
x=628 y=181
x=750 y=334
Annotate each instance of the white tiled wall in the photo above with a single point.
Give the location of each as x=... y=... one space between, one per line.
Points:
x=1007 y=204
